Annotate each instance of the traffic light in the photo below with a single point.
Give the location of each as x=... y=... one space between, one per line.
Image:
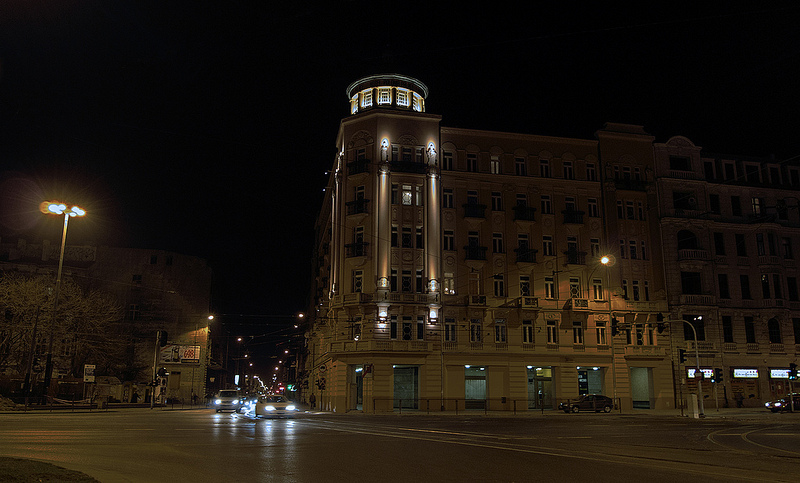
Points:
x=614 y=326
x=682 y=355
x=162 y=337
x=717 y=375
x=792 y=371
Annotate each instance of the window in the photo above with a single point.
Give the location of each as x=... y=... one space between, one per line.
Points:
x=133 y=312
x=366 y=98
x=393 y=281
x=520 y=168
x=602 y=338
x=569 y=204
x=547 y=207
x=625 y=289
x=591 y=172
x=727 y=328
x=622 y=250
x=597 y=288
x=420 y=327
x=765 y=286
x=449 y=286
x=640 y=208
x=384 y=96
x=724 y=291
x=646 y=290
x=497 y=243
x=547 y=245
x=629 y=213
x=574 y=287
x=420 y=281
x=499 y=285
x=544 y=168
x=791 y=285
x=447 y=198
x=358 y=281
x=449 y=240
x=620 y=210
x=420 y=238
x=760 y=244
x=406 y=281
x=777 y=286
x=691 y=283
x=475 y=330
x=749 y=330
x=643 y=250
x=447 y=161
x=500 y=330
x=569 y=173
x=549 y=288
x=774 y=331
x=497 y=201
x=680 y=163
x=713 y=204
x=744 y=283
x=407 y=329
x=402 y=97
x=522 y=199
x=494 y=165
x=577 y=333
x=552 y=332
x=136 y=279
x=635 y=288
x=736 y=206
x=796 y=330
x=632 y=250
x=153 y=259
x=395 y=237
x=719 y=243
x=527 y=332
x=741 y=246
x=594 y=245
x=449 y=329
x=406 y=195
x=524 y=286
x=786 y=248
x=472 y=162
x=406 y=238
x=593 y=209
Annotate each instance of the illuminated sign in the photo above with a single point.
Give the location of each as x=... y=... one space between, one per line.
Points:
x=745 y=373
x=779 y=373
x=182 y=354
x=707 y=373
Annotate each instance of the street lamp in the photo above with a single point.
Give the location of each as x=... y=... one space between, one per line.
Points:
x=59 y=209
x=698 y=373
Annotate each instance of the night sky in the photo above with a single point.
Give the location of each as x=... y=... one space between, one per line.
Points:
x=206 y=128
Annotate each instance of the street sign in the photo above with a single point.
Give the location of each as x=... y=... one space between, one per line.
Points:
x=88 y=372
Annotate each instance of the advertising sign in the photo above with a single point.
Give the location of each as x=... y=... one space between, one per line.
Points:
x=179 y=354
x=745 y=373
x=707 y=373
x=779 y=373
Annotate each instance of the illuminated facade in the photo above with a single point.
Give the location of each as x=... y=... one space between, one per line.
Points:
x=462 y=269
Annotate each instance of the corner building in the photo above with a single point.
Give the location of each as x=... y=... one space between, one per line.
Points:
x=459 y=269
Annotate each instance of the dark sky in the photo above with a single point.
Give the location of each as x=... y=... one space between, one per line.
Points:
x=206 y=127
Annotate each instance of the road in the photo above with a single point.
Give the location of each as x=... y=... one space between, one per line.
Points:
x=142 y=445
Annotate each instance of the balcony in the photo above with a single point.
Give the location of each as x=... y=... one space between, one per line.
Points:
x=380 y=345
x=579 y=304
x=573 y=217
x=776 y=349
x=702 y=346
x=696 y=299
x=753 y=348
x=526 y=255
x=773 y=303
x=630 y=184
x=529 y=302
x=645 y=351
x=356 y=207
x=524 y=213
x=408 y=167
x=358 y=249
x=574 y=257
x=358 y=166
x=693 y=254
x=476 y=299
x=474 y=210
x=769 y=260
x=475 y=252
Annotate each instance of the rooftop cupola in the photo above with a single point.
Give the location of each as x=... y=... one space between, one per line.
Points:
x=392 y=91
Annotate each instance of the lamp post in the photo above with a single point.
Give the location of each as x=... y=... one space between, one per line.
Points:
x=59 y=209
x=606 y=261
x=698 y=374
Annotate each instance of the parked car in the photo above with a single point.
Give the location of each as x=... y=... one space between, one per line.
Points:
x=589 y=402
x=784 y=404
x=228 y=400
x=274 y=405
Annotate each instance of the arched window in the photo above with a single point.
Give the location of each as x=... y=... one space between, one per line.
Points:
x=687 y=240
x=774 y=328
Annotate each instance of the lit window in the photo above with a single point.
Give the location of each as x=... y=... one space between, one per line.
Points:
x=407 y=194
x=384 y=96
x=366 y=98
x=499 y=330
x=417 y=102
x=402 y=97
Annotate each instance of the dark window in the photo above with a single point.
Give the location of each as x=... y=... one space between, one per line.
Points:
x=750 y=330
x=744 y=281
x=724 y=291
x=796 y=330
x=713 y=204
x=719 y=243
x=691 y=283
x=791 y=285
x=680 y=163
x=774 y=330
x=741 y=246
x=736 y=206
x=727 y=328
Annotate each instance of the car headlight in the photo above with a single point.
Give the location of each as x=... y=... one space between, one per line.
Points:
x=270 y=408
x=217 y=401
x=778 y=404
x=235 y=401
x=290 y=407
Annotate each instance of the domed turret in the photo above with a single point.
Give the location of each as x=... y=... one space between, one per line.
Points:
x=387 y=90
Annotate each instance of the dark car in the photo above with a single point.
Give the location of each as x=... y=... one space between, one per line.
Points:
x=589 y=402
x=784 y=404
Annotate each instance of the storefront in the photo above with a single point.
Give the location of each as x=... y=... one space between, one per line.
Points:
x=744 y=387
x=540 y=387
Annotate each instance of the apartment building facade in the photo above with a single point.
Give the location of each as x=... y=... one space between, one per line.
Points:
x=461 y=269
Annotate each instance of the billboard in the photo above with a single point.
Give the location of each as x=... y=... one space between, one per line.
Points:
x=179 y=354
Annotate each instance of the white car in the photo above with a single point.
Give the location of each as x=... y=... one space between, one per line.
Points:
x=274 y=405
x=228 y=400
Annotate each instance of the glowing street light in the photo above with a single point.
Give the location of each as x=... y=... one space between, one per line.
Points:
x=57 y=208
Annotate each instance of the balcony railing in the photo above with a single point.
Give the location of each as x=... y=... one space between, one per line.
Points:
x=573 y=216
x=630 y=184
x=475 y=252
x=776 y=349
x=696 y=299
x=476 y=299
x=358 y=249
x=693 y=254
x=529 y=302
x=474 y=210
x=358 y=166
x=357 y=206
x=526 y=255
x=524 y=213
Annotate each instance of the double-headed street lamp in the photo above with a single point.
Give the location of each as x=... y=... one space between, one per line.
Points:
x=59 y=209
